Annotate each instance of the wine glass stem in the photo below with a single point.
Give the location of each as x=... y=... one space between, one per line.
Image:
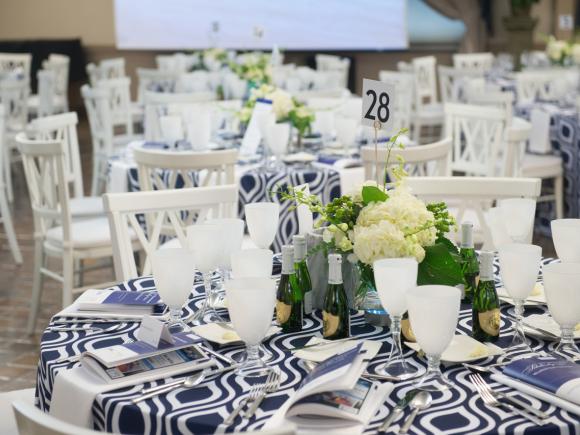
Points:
x=208 y=289
x=174 y=315
x=396 y=350
x=433 y=364
x=253 y=351
x=567 y=336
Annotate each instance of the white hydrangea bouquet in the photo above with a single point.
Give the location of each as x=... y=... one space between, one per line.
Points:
x=387 y=221
x=284 y=106
x=562 y=52
x=253 y=67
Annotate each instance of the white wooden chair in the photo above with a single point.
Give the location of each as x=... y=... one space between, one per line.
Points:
x=63 y=127
x=402 y=103
x=479 y=137
x=5 y=214
x=154 y=80
x=45 y=103
x=160 y=170
x=14 y=98
x=60 y=65
x=196 y=81
x=473 y=61
x=453 y=83
x=7 y=417
x=471 y=197
x=328 y=62
x=177 y=63
x=165 y=212
x=55 y=233
x=106 y=69
x=16 y=63
x=544 y=85
x=422 y=160
x=427 y=111
x=119 y=94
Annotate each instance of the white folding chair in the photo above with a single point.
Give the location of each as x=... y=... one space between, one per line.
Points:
x=474 y=61
x=196 y=81
x=164 y=212
x=422 y=160
x=469 y=198
x=119 y=94
x=427 y=111
x=328 y=62
x=45 y=103
x=106 y=69
x=402 y=102
x=55 y=233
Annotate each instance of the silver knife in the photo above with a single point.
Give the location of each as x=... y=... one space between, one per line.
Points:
x=397 y=410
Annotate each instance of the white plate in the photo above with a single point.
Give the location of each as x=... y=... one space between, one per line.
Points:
x=536 y=298
x=464 y=348
x=219 y=334
x=321 y=353
x=301 y=157
x=546 y=322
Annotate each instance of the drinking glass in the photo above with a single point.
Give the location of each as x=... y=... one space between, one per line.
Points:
x=518 y=215
x=171 y=129
x=251 y=304
x=519 y=266
x=232 y=234
x=277 y=138
x=433 y=313
x=324 y=124
x=562 y=287
x=394 y=277
x=262 y=219
x=252 y=263
x=174 y=273
x=566 y=237
x=207 y=243
x=346 y=130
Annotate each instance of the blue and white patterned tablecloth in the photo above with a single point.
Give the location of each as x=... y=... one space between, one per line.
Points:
x=201 y=410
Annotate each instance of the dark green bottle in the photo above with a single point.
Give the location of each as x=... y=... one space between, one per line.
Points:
x=335 y=313
x=301 y=271
x=469 y=263
x=485 y=307
x=289 y=305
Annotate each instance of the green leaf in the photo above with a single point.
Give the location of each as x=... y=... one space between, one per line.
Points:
x=439 y=266
x=373 y=194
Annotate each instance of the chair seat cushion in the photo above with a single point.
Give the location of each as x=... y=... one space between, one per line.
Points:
x=541 y=166
x=90 y=233
x=86 y=206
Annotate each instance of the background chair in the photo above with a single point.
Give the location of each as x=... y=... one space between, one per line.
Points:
x=427 y=111
x=474 y=61
x=59 y=64
x=16 y=64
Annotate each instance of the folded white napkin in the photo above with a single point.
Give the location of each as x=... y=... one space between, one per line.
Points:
x=537 y=393
x=323 y=352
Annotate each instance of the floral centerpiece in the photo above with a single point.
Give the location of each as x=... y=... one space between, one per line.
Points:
x=387 y=221
x=255 y=68
x=285 y=107
x=563 y=53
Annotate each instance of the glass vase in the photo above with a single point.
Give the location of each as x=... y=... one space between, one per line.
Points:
x=367 y=298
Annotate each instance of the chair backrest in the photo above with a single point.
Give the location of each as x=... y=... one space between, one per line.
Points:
x=112 y=68
x=422 y=160
x=60 y=65
x=44 y=167
x=100 y=119
x=196 y=81
x=502 y=100
x=16 y=62
x=3 y=143
x=149 y=214
x=63 y=127
x=177 y=63
x=119 y=97
x=328 y=62
x=46 y=92
x=453 y=83
x=474 y=193
x=474 y=61
x=478 y=134
x=30 y=420
x=544 y=85
x=154 y=80
x=14 y=97
x=403 y=84
x=425 y=80
x=160 y=170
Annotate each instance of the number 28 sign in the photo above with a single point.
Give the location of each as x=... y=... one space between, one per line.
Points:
x=376 y=103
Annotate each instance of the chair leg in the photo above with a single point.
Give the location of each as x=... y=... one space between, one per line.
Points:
x=8 y=174
x=417 y=127
x=68 y=278
x=9 y=228
x=559 y=194
x=95 y=182
x=37 y=280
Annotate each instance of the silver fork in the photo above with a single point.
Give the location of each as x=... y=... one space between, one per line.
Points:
x=252 y=395
x=272 y=384
x=490 y=398
x=486 y=368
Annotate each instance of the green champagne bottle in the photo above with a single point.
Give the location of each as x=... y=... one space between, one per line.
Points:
x=469 y=264
x=485 y=308
x=335 y=314
x=289 y=296
x=301 y=271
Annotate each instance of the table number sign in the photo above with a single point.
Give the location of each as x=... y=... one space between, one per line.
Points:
x=376 y=111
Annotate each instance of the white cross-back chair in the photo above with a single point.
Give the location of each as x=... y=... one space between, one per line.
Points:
x=106 y=69
x=18 y=63
x=55 y=233
x=471 y=197
x=428 y=112
x=479 y=137
x=119 y=94
x=401 y=106
x=63 y=127
x=177 y=63
x=45 y=103
x=473 y=61
x=196 y=81
x=165 y=212
x=154 y=80
x=60 y=65
x=5 y=214
x=422 y=160
x=329 y=62
x=453 y=83
x=544 y=85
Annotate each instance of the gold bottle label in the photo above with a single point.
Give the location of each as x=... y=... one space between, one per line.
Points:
x=283 y=312
x=330 y=324
x=407 y=330
x=489 y=321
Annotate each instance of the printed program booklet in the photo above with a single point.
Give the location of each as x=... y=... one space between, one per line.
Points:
x=334 y=393
x=140 y=359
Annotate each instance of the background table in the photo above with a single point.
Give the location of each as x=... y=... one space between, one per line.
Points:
x=201 y=410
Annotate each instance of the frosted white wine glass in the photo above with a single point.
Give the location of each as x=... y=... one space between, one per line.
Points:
x=262 y=219
x=324 y=124
x=173 y=274
x=232 y=233
x=277 y=138
x=394 y=277
x=207 y=243
x=251 y=304
x=346 y=130
x=566 y=237
x=433 y=313
x=171 y=128
x=519 y=266
x=518 y=215
x=562 y=288
x=252 y=263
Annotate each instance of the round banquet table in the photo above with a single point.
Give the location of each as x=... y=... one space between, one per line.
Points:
x=201 y=410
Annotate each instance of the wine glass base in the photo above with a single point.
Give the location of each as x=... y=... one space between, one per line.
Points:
x=567 y=350
x=434 y=382
x=241 y=356
x=399 y=369
x=255 y=368
x=206 y=315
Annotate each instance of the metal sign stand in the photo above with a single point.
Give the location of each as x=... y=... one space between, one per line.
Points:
x=377 y=126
